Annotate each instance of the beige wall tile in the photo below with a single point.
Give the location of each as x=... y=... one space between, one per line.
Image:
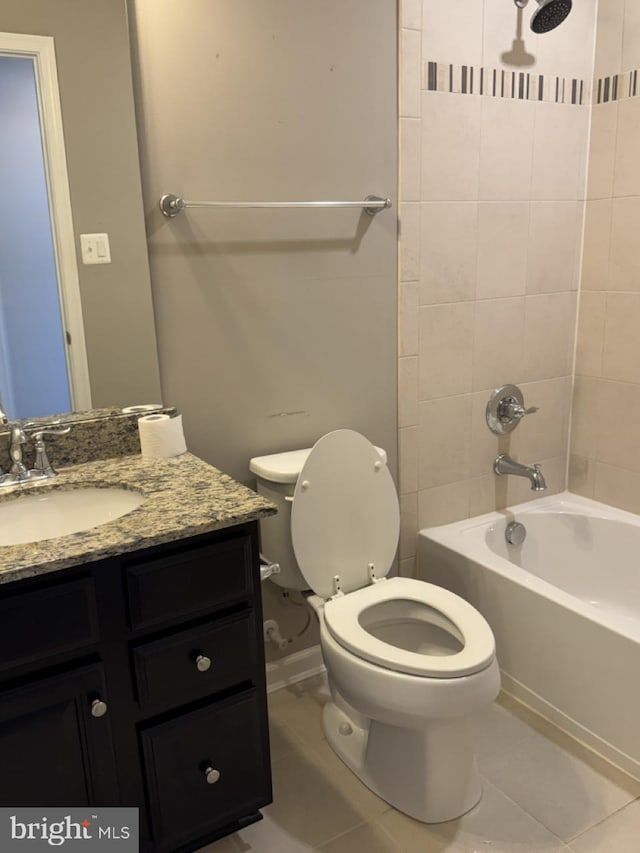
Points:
x=618 y=418
x=624 y=265
x=444 y=441
x=548 y=335
x=582 y=476
x=445 y=350
x=544 y=435
x=502 y=249
x=443 y=504
x=621 y=352
x=584 y=417
x=554 y=244
x=498 y=335
x=591 y=317
x=409 y=236
x=410 y=159
x=411 y=14
x=631 y=36
x=410 y=73
x=408 y=318
x=408 y=460
x=408 y=525
x=449 y=246
x=408 y=391
x=452 y=31
x=617 y=487
x=602 y=149
x=487 y=493
x=450 y=145
x=627 y=167
x=559 y=152
x=597 y=245
x=608 y=58
x=506 y=149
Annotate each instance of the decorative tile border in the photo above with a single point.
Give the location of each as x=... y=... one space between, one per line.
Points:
x=525 y=86
x=618 y=87
x=502 y=83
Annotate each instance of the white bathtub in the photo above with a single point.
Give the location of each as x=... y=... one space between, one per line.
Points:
x=564 y=608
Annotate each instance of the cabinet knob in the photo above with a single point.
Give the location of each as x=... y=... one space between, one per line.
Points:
x=203 y=663
x=211 y=775
x=98 y=708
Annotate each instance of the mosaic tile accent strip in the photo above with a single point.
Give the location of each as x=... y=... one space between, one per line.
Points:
x=616 y=88
x=502 y=83
x=526 y=86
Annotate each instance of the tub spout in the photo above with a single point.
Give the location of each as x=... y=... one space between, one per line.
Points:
x=504 y=464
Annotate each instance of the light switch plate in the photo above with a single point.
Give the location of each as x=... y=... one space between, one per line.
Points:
x=95 y=248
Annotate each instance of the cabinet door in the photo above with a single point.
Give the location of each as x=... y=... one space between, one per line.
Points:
x=53 y=751
x=206 y=769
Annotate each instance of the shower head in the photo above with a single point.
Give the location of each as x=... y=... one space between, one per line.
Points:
x=549 y=15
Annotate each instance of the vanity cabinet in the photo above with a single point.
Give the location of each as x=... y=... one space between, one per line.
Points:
x=139 y=680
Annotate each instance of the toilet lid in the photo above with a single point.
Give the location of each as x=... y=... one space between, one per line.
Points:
x=345 y=514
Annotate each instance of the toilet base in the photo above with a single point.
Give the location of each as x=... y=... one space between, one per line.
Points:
x=428 y=773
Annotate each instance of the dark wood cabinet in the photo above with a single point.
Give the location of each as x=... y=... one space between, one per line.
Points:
x=55 y=752
x=169 y=641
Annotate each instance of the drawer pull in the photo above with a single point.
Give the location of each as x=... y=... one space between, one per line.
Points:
x=98 y=708
x=211 y=775
x=203 y=663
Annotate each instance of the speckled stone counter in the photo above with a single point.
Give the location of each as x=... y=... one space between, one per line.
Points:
x=183 y=497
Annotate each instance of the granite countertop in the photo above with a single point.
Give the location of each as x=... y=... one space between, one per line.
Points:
x=183 y=497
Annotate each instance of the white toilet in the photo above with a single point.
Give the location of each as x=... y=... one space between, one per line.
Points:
x=407 y=662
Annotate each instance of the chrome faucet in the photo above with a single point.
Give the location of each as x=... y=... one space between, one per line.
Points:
x=504 y=464
x=42 y=468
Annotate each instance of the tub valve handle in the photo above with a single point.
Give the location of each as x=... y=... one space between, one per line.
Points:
x=506 y=409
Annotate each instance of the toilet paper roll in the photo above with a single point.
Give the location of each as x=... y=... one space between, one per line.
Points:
x=161 y=436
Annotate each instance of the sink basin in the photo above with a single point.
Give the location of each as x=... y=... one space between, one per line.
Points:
x=47 y=515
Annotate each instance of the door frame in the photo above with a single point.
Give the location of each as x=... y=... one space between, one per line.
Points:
x=41 y=50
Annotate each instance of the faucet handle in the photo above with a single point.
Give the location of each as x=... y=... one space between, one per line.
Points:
x=41 y=465
x=506 y=409
x=510 y=409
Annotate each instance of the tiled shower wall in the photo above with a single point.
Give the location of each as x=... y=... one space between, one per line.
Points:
x=605 y=446
x=492 y=190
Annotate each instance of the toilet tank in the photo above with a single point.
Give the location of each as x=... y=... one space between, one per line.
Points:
x=276 y=478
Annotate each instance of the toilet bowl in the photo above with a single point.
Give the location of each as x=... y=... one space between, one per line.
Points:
x=407 y=662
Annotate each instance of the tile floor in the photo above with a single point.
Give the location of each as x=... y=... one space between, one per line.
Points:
x=543 y=793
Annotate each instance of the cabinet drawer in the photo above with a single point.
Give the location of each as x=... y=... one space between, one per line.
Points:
x=167 y=671
x=36 y=626
x=189 y=582
x=228 y=738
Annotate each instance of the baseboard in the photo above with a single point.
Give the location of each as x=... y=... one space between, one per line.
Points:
x=293 y=668
x=569 y=726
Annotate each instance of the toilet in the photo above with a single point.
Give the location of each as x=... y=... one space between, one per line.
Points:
x=408 y=663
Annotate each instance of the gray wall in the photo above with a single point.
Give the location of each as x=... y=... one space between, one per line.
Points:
x=274 y=327
x=94 y=71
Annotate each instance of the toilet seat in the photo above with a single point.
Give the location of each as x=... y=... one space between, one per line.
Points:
x=342 y=618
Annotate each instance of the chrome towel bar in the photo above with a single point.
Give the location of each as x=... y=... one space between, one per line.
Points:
x=171 y=205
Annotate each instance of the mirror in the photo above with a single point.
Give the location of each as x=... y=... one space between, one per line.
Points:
x=72 y=336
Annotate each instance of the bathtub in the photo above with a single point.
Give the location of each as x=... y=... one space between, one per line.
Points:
x=564 y=608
